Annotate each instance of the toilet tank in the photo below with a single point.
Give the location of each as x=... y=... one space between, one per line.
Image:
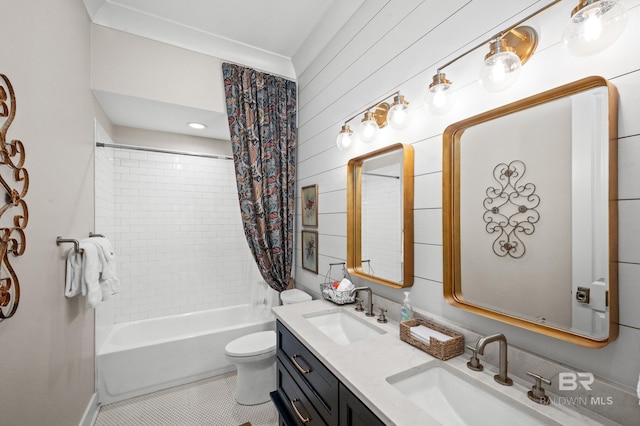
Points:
x=294 y=296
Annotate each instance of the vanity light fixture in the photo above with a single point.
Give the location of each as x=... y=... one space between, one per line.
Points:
x=375 y=117
x=508 y=51
x=399 y=115
x=368 y=127
x=440 y=98
x=501 y=66
x=346 y=138
x=594 y=25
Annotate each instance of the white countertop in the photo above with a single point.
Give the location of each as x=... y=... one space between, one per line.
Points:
x=364 y=366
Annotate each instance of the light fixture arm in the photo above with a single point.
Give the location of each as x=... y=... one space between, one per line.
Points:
x=498 y=35
x=371 y=106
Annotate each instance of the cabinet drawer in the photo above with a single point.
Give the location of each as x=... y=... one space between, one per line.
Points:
x=294 y=406
x=306 y=368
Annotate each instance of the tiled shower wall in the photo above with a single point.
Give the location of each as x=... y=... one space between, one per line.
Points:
x=177 y=234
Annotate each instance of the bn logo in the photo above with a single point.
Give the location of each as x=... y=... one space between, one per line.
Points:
x=568 y=381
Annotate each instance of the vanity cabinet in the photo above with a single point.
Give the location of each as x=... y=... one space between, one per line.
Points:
x=308 y=393
x=353 y=412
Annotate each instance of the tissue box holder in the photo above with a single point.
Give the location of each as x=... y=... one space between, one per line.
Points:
x=441 y=350
x=335 y=296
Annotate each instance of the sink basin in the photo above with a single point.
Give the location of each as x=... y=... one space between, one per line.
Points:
x=450 y=397
x=343 y=327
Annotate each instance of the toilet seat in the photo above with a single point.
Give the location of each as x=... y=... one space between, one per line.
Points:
x=252 y=344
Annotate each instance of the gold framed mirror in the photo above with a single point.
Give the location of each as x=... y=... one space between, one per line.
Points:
x=380 y=216
x=530 y=213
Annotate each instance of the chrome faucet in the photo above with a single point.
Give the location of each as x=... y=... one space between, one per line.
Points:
x=501 y=378
x=368 y=290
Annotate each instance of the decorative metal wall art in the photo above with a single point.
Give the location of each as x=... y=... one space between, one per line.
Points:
x=510 y=209
x=12 y=237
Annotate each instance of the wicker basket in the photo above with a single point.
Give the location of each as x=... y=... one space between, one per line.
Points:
x=333 y=295
x=441 y=350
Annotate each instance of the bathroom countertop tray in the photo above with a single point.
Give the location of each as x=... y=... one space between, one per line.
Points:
x=436 y=348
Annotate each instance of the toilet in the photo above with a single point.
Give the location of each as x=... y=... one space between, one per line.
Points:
x=254 y=356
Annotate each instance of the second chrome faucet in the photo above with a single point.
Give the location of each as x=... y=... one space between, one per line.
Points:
x=370 y=306
x=502 y=377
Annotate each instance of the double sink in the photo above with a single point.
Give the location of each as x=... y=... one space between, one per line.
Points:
x=442 y=389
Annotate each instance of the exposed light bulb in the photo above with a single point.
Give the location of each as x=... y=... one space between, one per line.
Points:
x=368 y=128
x=440 y=97
x=594 y=26
x=399 y=116
x=501 y=67
x=346 y=138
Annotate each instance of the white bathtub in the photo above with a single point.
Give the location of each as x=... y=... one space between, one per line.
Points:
x=145 y=356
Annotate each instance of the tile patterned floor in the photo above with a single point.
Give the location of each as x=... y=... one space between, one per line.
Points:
x=208 y=402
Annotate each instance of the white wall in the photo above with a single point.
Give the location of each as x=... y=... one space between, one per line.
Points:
x=396 y=45
x=47 y=367
x=189 y=78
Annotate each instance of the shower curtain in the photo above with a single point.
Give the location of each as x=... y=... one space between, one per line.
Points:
x=262 y=121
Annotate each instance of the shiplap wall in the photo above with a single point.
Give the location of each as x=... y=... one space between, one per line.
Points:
x=391 y=45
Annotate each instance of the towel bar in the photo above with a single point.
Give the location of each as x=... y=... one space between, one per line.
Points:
x=76 y=243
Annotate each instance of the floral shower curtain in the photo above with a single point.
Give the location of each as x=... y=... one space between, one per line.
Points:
x=262 y=121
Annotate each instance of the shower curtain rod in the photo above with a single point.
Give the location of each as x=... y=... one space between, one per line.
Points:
x=163 y=151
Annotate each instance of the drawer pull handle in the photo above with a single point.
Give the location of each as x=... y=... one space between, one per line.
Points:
x=300 y=369
x=302 y=419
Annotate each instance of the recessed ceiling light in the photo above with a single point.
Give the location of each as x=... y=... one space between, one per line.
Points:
x=195 y=125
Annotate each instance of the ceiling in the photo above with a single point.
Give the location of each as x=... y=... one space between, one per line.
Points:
x=263 y=34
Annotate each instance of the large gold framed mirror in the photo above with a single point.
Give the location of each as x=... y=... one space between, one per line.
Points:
x=380 y=216
x=530 y=213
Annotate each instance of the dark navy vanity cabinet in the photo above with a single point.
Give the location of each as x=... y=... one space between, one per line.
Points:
x=308 y=393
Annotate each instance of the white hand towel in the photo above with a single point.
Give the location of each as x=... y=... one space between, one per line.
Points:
x=73 y=276
x=99 y=270
x=425 y=333
x=109 y=282
x=91 y=265
x=345 y=285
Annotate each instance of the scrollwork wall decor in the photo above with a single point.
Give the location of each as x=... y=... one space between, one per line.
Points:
x=510 y=209
x=12 y=236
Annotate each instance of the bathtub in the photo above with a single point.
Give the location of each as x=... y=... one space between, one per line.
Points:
x=149 y=355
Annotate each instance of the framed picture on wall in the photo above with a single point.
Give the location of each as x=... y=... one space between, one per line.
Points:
x=310 y=205
x=310 y=251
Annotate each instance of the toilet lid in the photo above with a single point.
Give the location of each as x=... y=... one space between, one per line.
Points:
x=294 y=296
x=252 y=344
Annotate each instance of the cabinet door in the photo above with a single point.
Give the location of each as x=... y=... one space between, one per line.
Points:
x=313 y=377
x=353 y=412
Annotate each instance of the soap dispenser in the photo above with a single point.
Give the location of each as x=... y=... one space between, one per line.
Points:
x=406 y=311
